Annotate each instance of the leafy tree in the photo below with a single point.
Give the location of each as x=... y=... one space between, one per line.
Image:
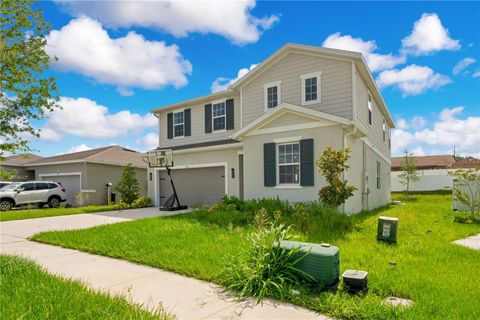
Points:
x=26 y=92
x=128 y=186
x=467 y=190
x=332 y=164
x=409 y=171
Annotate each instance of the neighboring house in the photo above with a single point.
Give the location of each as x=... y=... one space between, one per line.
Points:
x=15 y=166
x=86 y=171
x=433 y=172
x=262 y=135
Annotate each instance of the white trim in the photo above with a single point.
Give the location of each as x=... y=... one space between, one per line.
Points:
x=278 y=164
x=288 y=186
x=374 y=149
x=28 y=165
x=210 y=148
x=274 y=113
x=266 y=86
x=224 y=101
x=287 y=139
x=240 y=152
x=88 y=190
x=178 y=124
x=293 y=127
x=317 y=75
x=156 y=172
x=57 y=174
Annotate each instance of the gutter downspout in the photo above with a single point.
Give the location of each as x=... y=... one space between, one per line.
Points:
x=345 y=145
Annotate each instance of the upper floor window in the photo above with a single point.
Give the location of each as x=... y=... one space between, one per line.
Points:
x=272 y=94
x=369 y=109
x=311 y=88
x=179 y=124
x=289 y=163
x=218 y=116
x=384 y=130
x=378 y=175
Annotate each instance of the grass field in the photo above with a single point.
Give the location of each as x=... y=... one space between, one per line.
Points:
x=50 y=212
x=442 y=279
x=27 y=292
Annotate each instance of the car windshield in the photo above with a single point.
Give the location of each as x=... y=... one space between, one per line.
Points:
x=10 y=186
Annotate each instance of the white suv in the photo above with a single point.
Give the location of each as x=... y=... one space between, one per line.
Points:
x=32 y=192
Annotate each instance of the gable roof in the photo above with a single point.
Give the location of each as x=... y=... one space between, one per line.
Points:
x=426 y=162
x=284 y=108
x=113 y=155
x=20 y=159
x=288 y=48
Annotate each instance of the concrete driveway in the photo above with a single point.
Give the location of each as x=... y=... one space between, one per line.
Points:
x=185 y=297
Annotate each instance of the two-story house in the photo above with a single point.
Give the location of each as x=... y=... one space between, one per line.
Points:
x=262 y=135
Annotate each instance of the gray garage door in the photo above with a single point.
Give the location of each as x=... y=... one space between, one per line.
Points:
x=194 y=186
x=71 y=185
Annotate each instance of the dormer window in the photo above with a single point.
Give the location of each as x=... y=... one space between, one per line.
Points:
x=311 y=88
x=272 y=94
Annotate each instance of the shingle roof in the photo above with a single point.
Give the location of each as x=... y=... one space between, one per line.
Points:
x=116 y=155
x=20 y=159
x=426 y=162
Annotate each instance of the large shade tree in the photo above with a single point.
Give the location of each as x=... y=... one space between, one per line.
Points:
x=27 y=92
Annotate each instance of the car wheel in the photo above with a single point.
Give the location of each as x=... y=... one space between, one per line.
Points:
x=54 y=203
x=5 y=205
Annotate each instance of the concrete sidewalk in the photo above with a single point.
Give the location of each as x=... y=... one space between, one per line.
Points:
x=187 y=298
x=472 y=242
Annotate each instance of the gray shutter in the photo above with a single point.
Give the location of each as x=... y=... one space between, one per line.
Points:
x=170 y=125
x=208 y=118
x=306 y=162
x=230 y=114
x=188 y=122
x=269 y=165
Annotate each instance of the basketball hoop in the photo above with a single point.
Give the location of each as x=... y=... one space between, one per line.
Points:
x=159 y=158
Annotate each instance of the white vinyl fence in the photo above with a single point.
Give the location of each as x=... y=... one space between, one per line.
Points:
x=430 y=180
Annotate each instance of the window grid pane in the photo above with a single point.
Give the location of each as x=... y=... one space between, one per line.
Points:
x=289 y=163
x=178 y=118
x=311 y=89
x=218 y=116
x=272 y=97
x=178 y=130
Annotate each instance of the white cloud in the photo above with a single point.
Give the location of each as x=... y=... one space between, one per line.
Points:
x=149 y=142
x=429 y=35
x=375 y=61
x=230 y=19
x=79 y=148
x=222 y=83
x=476 y=74
x=412 y=80
x=417 y=123
x=83 y=117
x=462 y=65
x=448 y=130
x=84 y=47
x=50 y=135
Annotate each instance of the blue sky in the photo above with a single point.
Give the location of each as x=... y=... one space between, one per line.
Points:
x=119 y=60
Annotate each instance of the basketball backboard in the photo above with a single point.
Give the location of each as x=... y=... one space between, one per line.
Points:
x=159 y=158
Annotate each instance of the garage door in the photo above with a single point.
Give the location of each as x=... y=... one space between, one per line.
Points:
x=194 y=186
x=71 y=185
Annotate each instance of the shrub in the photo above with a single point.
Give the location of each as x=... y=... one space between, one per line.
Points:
x=264 y=269
x=128 y=186
x=301 y=217
x=142 y=202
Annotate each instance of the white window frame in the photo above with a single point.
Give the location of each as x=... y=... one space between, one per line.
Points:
x=224 y=101
x=317 y=75
x=266 y=86
x=384 y=130
x=370 y=110
x=178 y=124
x=288 y=185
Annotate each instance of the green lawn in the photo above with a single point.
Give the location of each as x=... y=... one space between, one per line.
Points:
x=50 y=212
x=442 y=279
x=27 y=292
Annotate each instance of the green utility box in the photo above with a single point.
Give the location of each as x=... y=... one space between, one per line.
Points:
x=322 y=261
x=387 y=229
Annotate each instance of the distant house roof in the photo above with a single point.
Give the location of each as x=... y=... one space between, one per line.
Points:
x=20 y=159
x=426 y=162
x=467 y=164
x=113 y=155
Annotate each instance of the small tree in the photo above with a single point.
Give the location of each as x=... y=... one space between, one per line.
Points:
x=470 y=194
x=128 y=186
x=332 y=164
x=409 y=171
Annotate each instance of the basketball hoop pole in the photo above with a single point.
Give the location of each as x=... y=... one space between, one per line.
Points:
x=173 y=186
